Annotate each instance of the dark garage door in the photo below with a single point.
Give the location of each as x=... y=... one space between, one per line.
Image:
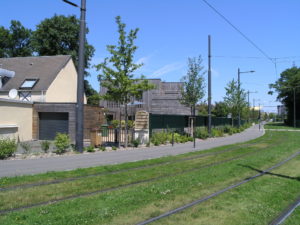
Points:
x=52 y=123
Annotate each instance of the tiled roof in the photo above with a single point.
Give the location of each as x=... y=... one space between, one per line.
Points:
x=43 y=68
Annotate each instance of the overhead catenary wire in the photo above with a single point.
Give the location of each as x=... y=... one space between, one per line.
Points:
x=239 y=31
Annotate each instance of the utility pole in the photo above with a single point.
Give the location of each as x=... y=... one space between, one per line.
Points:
x=80 y=79
x=249 y=92
x=209 y=86
x=253 y=108
x=239 y=94
x=239 y=97
x=80 y=84
x=259 y=115
x=294 y=107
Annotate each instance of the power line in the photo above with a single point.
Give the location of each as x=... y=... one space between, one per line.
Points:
x=240 y=32
x=287 y=58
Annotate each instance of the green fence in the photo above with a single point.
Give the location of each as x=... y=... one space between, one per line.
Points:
x=179 y=122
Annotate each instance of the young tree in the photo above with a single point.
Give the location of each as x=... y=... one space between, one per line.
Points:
x=117 y=72
x=235 y=99
x=15 y=41
x=192 y=90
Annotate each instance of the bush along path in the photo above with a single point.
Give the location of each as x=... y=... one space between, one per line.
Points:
x=167 y=186
x=165 y=137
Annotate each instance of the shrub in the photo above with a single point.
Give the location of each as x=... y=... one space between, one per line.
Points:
x=102 y=148
x=45 y=145
x=26 y=147
x=227 y=129
x=90 y=148
x=115 y=123
x=167 y=137
x=73 y=147
x=190 y=139
x=136 y=143
x=177 y=138
x=130 y=124
x=114 y=148
x=217 y=132
x=201 y=133
x=62 y=142
x=7 y=147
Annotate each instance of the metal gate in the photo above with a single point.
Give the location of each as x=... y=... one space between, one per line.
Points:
x=112 y=136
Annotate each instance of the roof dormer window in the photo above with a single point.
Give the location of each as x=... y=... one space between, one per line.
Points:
x=28 y=83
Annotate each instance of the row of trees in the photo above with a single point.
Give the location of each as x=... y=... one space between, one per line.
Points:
x=193 y=92
x=58 y=35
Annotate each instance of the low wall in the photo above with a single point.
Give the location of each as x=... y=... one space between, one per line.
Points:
x=16 y=120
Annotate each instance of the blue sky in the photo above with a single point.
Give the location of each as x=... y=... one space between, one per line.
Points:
x=173 y=30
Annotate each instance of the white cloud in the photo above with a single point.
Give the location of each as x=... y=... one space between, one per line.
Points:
x=167 y=69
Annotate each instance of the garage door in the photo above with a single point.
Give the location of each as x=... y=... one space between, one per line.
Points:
x=52 y=123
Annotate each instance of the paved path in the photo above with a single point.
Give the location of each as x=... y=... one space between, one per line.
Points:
x=34 y=166
x=283 y=130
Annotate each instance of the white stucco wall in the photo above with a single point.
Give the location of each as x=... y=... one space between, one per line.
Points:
x=64 y=87
x=16 y=120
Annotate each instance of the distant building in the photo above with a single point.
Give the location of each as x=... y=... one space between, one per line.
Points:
x=164 y=99
x=281 y=110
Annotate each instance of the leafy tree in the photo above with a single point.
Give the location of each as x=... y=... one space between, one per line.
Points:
x=59 y=35
x=202 y=109
x=192 y=90
x=92 y=95
x=235 y=99
x=89 y=91
x=4 y=36
x=15 y=41
x=220 y=109
x=284 y=86
x=117 y=72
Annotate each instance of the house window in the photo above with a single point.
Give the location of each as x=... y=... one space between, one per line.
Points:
x=25 y=96
x=28 y=83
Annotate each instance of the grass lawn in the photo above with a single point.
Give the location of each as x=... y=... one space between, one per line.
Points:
x=151 y=187
x=294 y=218
x=279 y=125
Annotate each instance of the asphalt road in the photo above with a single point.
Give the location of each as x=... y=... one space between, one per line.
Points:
x=34 y=166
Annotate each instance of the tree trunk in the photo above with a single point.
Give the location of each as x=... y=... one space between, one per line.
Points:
x=126 y=126
x=193 y=113
x=120 y=127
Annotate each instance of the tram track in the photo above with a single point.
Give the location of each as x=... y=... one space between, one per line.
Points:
x=86 y=194
x=203 y=199
x=69 y=179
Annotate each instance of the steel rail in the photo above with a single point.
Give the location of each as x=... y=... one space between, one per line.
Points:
x=57 y=181
x=5 y=211
x=286 y=213
x=198 y=201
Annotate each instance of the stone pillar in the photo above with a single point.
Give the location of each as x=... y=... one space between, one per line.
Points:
x=142 y=127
